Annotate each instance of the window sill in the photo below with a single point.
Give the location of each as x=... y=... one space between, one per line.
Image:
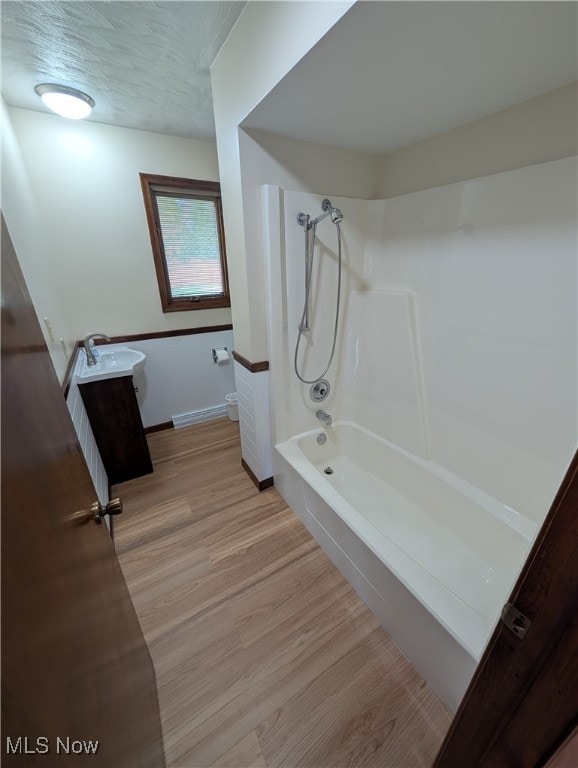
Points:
x=191 y=306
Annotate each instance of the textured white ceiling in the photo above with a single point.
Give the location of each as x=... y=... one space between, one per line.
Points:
x=145 y=63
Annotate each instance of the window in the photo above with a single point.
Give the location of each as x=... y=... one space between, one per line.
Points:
x=186 y=227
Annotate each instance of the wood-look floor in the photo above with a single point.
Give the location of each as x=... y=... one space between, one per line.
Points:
x=264 y=654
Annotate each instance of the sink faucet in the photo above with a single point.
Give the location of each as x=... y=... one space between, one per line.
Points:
x=89 y=343
x=325 y=417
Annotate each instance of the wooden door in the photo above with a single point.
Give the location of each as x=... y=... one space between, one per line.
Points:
x=75 y=666
x=522 y=704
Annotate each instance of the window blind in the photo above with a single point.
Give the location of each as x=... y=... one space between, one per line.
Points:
x=190 y=236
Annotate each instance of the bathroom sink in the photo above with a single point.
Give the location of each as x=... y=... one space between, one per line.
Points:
x=113 y=360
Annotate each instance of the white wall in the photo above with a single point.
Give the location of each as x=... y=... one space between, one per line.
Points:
x=180 y=376
x=305 y=166
x=268 y=39
x=296 y=165
x=26 y=224
x=534 y=131
x=86 y=183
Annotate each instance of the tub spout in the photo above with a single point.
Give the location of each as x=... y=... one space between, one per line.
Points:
x=325 y=417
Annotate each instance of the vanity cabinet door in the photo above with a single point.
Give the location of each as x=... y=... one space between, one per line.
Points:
x=114 y=416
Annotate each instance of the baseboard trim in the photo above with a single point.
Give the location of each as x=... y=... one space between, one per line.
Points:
x=199 y=417
x=159 y=427
x=260 y=484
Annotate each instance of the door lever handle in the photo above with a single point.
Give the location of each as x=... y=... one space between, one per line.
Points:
x=98 y=510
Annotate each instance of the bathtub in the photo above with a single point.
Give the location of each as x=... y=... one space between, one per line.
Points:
x=432 y=556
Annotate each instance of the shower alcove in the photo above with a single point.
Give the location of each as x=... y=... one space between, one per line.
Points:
x=447 y=444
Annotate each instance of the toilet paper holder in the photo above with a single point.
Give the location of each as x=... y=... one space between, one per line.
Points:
x=216 y=355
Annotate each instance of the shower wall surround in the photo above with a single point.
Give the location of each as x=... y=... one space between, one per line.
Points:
x=295 y=410
x=492 y=263
x=458 y=325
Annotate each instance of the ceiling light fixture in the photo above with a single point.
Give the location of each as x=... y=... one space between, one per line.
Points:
x=65 y=101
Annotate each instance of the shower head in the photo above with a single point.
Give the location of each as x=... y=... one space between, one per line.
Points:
x=328 y=208
x=336 y=216
x=307 y=222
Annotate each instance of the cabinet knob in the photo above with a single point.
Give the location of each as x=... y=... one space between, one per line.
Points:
x=114 y=507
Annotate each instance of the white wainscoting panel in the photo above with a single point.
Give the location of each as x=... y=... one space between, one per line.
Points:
x=254 y=420
x=180 y=376
x=87 y=441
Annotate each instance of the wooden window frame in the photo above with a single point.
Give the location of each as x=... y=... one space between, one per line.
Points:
x=191 y=187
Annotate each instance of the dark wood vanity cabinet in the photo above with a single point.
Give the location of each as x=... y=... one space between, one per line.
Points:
x=114 y=416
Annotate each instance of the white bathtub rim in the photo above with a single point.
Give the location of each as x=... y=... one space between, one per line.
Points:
x=447 y=676
x=470 y=628
x=505 y=514
x=461 y=621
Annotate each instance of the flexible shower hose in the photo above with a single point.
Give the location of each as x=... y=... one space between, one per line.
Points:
x=309 y=249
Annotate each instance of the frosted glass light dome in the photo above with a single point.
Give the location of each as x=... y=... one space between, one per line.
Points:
x=65 y=101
